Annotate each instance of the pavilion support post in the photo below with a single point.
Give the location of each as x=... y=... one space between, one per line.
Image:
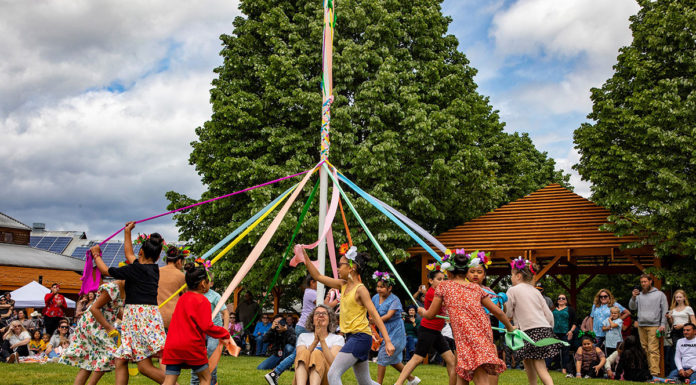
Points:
x=560 y=282
x=586 y=281
x=573 y=283
x=546 y=268
x=496 y=281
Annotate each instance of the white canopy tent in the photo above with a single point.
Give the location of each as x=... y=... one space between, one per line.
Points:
x=32 y=295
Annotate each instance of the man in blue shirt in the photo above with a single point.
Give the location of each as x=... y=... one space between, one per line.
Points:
x=261 y=329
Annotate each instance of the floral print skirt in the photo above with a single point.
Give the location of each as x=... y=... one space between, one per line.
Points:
x=90 y=347
x=142 y=333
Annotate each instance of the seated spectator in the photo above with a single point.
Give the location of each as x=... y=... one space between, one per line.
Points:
x=633 y=362
x=411 y=324
x=589 y=360
x=613 y=361
x=291 y=321
x=23 y=319
x=36 y=321
x=259 y=331
x=15 y=344
x=685 y=355
x=63 y=331
x=236 y=330
x=281 y=343
x=81 y=306
x=317 y=349
x=63 y=345
x=36 y=345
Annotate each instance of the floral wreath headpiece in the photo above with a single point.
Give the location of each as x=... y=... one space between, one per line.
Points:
x=184 y=251
x=206 y=264
x=520 y=263
x=479 y=258
x=144 y=237
x=384 y=277
x=350 y=252
x=476 y=258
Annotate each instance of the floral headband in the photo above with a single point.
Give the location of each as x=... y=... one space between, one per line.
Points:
x=476 y=258
x=206 y=264
x=184 y=251
x=350 y=252
x=383 y=276
x=144 y=237
x=479 y=258
x=520 y=263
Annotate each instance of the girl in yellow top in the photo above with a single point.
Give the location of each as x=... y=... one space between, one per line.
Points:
x=356 y=303
x=36 y=345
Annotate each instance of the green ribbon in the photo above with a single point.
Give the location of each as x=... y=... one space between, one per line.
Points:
x=516 y=338
x=369 y=233
x=305 y=209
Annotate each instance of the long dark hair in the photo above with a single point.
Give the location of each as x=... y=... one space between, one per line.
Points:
x=152 y=247
x=633 y=355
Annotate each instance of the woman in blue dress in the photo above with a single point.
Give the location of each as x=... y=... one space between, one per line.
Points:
x=389 y=308
x=601 y=311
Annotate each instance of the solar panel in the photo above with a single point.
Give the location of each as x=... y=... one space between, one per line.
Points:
x=45 y=243
x=60 y=244
x=80 y=252
x=33 y=241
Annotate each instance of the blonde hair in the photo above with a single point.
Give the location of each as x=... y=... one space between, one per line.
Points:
x=674 y=301
x=598 y=303
x=615 y=309
x=14 y=323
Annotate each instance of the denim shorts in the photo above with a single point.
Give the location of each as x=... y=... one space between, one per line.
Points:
x=175 y=369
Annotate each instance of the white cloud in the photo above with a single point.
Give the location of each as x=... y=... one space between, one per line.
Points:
x=75 y=154
x=566 y=163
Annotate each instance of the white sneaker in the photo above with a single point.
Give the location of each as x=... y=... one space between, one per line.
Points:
x=415 y=381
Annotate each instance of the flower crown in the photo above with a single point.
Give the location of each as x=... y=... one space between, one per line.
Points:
x=520 y=263
x=476 y=258
x=206 y=264
x=479 y=258
x=144 y=237
x=350 y=252
x=383 y=276
x=184 y=251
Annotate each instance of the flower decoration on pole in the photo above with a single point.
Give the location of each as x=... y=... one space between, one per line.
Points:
x=520 y=263
x=384 y=277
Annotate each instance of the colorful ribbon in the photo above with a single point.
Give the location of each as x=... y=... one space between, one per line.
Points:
x=516 y=338
x=260 y=245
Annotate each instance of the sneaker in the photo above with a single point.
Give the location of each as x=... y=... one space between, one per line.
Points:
x=415 y=381
x=12 y=358
x=271 y=378
x=587 y=376
x=569 y=375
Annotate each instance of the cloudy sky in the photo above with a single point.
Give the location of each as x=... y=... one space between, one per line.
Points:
x=99 y=99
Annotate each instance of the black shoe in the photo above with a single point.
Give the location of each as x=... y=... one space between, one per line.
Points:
x=272 y=378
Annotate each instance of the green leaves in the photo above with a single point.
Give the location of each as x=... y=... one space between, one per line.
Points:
x=407 y=126
x=639 y=152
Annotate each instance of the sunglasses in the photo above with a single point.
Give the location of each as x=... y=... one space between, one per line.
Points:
x=603 y=296
x=561 y=298
x=63 y=327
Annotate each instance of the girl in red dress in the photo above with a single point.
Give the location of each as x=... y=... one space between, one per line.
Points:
x=191 y=322
x=477 y=357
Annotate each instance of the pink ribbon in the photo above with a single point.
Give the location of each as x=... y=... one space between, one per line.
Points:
x=260 y=246
x=92 y=277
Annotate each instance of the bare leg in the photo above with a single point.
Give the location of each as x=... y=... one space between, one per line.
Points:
x=121 y=372
x=400 y=367
x=150 y=371
x=96 y=376
x=542 y=372
x=410 y=367
x=81 y=377
x=170 y=379
x=314 y=377
x=301 y=374
x=480 y=376
x=531 y=371
x=381 y=370
x=204 y=376
x=492 y=380
x=451 y=362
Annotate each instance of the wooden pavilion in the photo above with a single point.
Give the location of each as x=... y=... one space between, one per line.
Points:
x=555 y=228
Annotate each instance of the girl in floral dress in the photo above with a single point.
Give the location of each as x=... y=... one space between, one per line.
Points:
x=142 y=330
x=477 y=357
x=91 y=349
x=389 y=308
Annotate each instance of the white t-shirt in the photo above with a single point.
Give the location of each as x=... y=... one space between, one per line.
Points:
x=306 y=339
x=681 y=317
x=18 y=338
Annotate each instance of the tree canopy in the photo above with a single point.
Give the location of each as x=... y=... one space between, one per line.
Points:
x=408 y=126
x=640 y=150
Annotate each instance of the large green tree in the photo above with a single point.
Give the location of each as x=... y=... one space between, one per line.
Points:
x=407 y=125
x=640 y=150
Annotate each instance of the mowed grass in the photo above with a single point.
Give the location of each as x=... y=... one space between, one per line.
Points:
x=242 y=371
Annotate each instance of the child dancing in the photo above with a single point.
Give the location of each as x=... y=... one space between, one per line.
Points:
x=142 y=330
x=191 y=321
x=477 y=356
x=92 y=346
x=355 y=305
x=430 y=334
x=389 y=308
x=531 y=314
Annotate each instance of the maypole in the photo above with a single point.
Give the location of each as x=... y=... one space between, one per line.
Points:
x=327 y=99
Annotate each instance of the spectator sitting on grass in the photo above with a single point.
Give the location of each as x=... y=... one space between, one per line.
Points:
x=685 y=355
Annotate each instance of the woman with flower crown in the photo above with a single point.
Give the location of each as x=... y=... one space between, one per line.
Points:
x=355 y=306
x=477 y=356
x=389 y=308
x=528 y=309
x=142 y=329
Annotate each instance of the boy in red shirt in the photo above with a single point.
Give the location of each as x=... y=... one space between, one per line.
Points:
x=191 y=321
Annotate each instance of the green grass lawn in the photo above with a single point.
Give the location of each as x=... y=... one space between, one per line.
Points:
x=243 y=371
